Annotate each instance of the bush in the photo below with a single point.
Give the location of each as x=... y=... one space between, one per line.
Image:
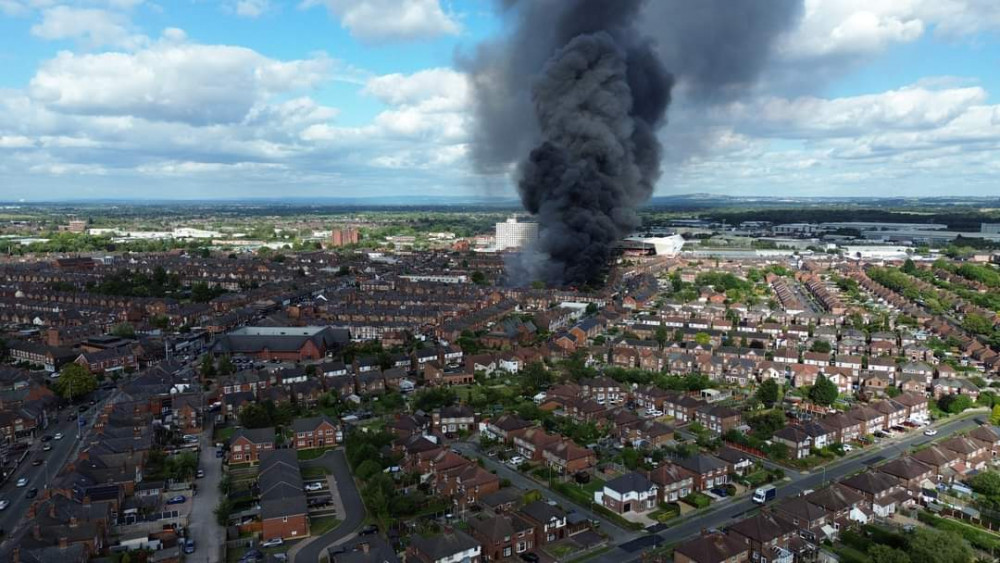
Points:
x=697 y=500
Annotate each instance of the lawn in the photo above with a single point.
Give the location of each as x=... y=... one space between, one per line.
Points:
x=665 y=514
x=322 y=524
x=312 y=453
x=314 y=472
x=697 y=500
x=581 y=494
x=224 y=434
x=559 y=551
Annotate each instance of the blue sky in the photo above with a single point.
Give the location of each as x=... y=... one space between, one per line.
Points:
x=341 y=98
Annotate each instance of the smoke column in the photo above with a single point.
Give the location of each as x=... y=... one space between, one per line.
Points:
x=579 y=89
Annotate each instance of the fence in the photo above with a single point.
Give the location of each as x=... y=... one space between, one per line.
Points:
x=745 y=449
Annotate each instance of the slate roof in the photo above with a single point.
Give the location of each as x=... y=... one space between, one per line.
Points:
x=714 y=548
x=701 y=463
x=630 y=482
x=281 y=492
x=311 y=423
x=444 y=545
x=255 y=435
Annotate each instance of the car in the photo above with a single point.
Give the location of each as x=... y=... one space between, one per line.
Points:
x=219 y=453
x=848 y=447
x=82 y=408
x=58 y=436
x=32 y=492
x=22 y=482
x=515 y=461
x=4 y=503
x=93 y=402
x=314 y=486
x=189 y=546
x=280 y=556
x=252 y=555
x=530 y=557
x=273 y=542
x=46 y=447
x=190 y=438
x=369 y=530
x=930 y=432
x=179 y=499
x=37 y=461
x=200 y=473
x=720 y=492
x=46 y=438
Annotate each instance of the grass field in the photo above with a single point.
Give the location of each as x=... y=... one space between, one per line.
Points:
x=322 y=524
x=314 y=472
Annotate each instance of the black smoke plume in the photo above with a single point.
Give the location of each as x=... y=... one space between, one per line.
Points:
x=578 y=87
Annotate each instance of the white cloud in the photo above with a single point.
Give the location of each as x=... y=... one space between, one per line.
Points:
x=171 y=81
x=911 y=108
x=389 y=20
x=90 y=26
x=442 y=88
x=251 y=8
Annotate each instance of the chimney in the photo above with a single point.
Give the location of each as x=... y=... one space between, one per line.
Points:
x=365 y=547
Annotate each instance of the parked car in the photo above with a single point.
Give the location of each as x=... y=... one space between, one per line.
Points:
x=58 y=436
x=720 y=492
x=179 y=499
x=4 y=503
x=930 y=432
x=191 y=438
x=515 y=461
x=847 y=447
x=368 y=530
x=314 y=486
x=219 y=453
x=252 y=555
x=32 y=492
x=189 y=546
x=46 y=447
x=273 y=542
x=200 y=473
x=530 y=557
x=22 y=482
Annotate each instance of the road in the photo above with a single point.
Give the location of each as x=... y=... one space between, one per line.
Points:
x=471 y=450
x=42 y=475
x=205 y=531
x=728 y=511
x=353 y=513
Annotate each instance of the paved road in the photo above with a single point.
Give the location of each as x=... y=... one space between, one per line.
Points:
x=728 y=511
x=353 y=513
x=204 y=529
x=615 y=532
x=54 y=460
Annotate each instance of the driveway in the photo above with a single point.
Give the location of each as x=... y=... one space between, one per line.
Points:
x=352 y=514
x=205 y=531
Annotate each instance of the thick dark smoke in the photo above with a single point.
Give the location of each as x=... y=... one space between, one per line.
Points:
x=580 y=90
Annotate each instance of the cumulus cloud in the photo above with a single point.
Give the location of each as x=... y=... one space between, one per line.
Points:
x=251 y=8
x=390 y=20
x=91 y=26
x=171 y=81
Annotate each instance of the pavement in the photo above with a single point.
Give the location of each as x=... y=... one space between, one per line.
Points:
x=728 y=511
x=208 y=535
x=62 y=450
x=352 y=510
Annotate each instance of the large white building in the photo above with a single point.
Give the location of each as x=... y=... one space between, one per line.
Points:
x=515 y=234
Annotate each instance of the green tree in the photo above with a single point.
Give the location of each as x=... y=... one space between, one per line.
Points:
x=986 y=483
x=255 y=415
x=885 y=554
x=661 y=335
x=954 y=404
x=226 y=366
x=201 y=293
x=823 y=392
x=909 y=267
x=768 y=392
x=933 y=546
x=702 y=338
x=123 y=330
x=75 y=381
x=207 y=366
x=478 y=278
x=821 y=346
x=995 y=416
x=367 y=469
x=222 y=512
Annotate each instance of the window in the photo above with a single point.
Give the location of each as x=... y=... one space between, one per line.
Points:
x=522 y=546
x=507 y=551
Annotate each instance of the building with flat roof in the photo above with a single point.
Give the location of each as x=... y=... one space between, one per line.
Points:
x=515 y=234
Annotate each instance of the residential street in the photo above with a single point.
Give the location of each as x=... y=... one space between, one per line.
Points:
x=62 y=450
x=615 y=532
x=353 y=513
x=727 y=511
x=207 y=533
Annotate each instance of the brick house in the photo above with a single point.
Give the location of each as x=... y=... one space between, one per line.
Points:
x=450 y=547
x=549 y=521
x=567 y=457
x=283 y=510
x=706 y=471
x=502 y=536
x=631 y=492
x=247 y=444
x=315 y=432
x=673 y=481
x=713 y=548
